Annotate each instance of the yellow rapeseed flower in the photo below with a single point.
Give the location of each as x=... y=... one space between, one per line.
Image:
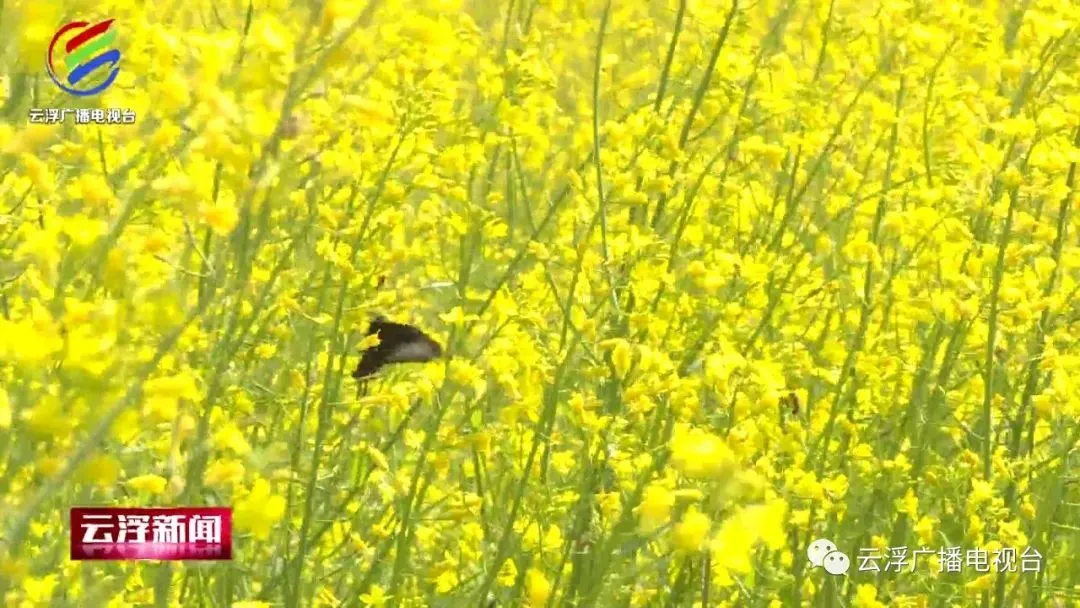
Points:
x=259 y=510
x=102 y=470
x=446 y=582
x=866 y=597
x=40 y=590
x=220 y=217
x=700 y=454
x=537 y=587
x=5 y=410
x=507 y=573
x=638 y=254
x=655 y=508
x=691 y=533
x=224 y=472
x=150 y=483
x=375 y=596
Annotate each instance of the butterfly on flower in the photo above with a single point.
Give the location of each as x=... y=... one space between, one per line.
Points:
x=398 y=343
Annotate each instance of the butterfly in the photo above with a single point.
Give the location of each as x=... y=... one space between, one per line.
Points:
x=398 y=343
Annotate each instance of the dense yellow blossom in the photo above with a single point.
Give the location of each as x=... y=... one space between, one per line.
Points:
x=712 y=280
x=259 y=510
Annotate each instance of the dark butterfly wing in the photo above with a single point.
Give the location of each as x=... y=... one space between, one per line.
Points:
x=398 y=343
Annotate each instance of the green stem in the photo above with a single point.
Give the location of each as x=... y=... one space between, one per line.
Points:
x=540 y=434
x=699 y=96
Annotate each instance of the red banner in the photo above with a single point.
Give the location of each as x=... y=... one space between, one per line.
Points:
x=174 y=533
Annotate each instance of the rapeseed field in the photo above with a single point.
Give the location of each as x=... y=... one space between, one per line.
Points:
x=715 y=282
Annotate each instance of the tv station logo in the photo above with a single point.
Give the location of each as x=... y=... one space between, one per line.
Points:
x=83 y=61
x=75 y=64
x=177 y=533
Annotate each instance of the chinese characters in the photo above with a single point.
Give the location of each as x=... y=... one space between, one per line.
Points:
x=144 y=533
x=950 y=559
x=83 y=116
x=165 y=528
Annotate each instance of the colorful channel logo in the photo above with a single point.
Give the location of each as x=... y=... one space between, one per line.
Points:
x=83 y=53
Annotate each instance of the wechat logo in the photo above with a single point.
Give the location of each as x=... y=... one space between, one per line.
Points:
x=823 y=553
